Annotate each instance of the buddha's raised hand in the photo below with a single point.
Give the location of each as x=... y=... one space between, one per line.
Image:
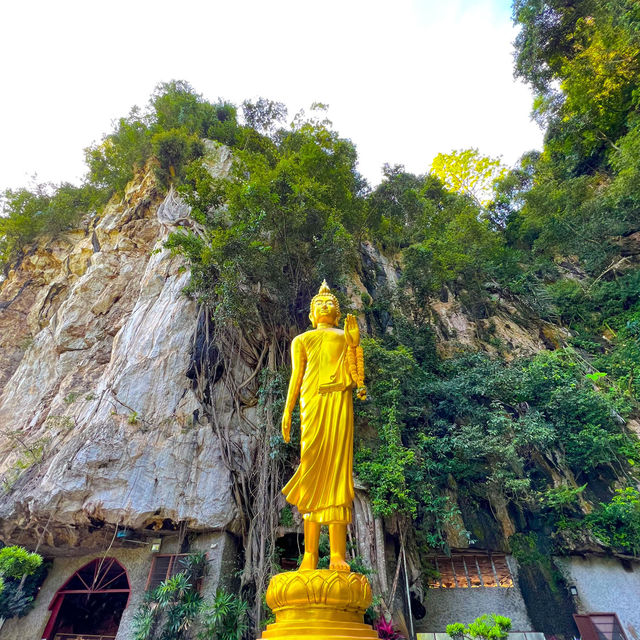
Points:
x=351 y=331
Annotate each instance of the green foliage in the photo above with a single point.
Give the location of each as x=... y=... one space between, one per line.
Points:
x=486 y=627
x=45 y=210
x=484 y=423
x=176 y=105
x=21 y=574
x=324 y=551
x=562 y=498
x=502 y=414
x=263 y=115
x=169 y=129
x=288 y=222
x=113 y=162
x=16 y=562
x=582 y=59
x=467 y=172
x=604 y=317
x=174 y=607
x=510 y=189
x=385 y=469
x=617 y=523
x=395 y=207
x=357 y=565
x=173 y=149
x=225 y=618
x=71 y=397
x=201 y=191
x=622 y=362
x=591 y=50
x=286 y=516
x=394 y=454
x=355 y=562
x=580 y=216
x=443 y=235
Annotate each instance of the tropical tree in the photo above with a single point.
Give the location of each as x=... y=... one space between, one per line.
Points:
x=468 y=172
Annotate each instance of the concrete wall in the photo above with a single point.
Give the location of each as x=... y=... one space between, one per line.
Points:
x=605 y=586
x=445 y=606
x=221 y=548
x=222 y=552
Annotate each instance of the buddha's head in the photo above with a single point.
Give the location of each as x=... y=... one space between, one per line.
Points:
x=325 y=307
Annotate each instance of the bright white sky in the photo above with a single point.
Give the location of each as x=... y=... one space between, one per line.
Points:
x=404 y=79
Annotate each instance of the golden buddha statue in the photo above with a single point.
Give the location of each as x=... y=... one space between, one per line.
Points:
x=323 y=604
x=326 y=365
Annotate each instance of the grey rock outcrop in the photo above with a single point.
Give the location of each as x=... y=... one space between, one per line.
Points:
x=99 y=422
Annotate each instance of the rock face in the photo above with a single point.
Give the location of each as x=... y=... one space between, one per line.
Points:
x=99 y=420
x=504 y=326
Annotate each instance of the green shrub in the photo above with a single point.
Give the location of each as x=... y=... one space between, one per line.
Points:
x=16 y=562
x=622 y=362
x=173 y=149
x=486 y=627
x=47 y=209
x=485 y=424
x=176 y=105
x=385 y=466
x=225 y=618
x=174 y=607
x=21 y=574
x=112 y=163
x=617 y=523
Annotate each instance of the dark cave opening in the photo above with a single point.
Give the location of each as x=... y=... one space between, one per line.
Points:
x=90 y=613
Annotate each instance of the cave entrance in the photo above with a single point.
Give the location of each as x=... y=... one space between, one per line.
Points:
x=289 y=548
x=90 y=603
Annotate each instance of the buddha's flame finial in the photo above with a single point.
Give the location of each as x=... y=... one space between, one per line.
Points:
x=324 y=288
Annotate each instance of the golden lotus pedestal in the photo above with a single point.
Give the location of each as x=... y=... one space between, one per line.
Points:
x=319 y=605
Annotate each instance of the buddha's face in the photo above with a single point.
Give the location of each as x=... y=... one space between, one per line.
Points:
x=325 y=311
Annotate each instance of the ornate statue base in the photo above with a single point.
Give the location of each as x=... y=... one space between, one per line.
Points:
x=319 y=604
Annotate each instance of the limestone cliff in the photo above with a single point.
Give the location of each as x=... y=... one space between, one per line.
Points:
x=99 y=422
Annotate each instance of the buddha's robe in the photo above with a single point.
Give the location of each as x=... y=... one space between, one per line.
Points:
x=322 y=486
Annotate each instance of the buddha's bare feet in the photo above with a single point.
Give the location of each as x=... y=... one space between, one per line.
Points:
x=338 y=563
x=309 y=561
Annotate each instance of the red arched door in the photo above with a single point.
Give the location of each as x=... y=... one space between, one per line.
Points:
x=90 y=603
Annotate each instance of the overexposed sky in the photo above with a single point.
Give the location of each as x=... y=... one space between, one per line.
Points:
x=404 y=79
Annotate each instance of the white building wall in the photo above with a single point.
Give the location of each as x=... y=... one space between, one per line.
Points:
x=605 y=586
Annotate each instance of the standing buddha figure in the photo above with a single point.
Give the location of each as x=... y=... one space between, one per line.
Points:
x=327 y=364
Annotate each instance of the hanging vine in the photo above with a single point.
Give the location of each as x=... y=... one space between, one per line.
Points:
x=223 y=355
